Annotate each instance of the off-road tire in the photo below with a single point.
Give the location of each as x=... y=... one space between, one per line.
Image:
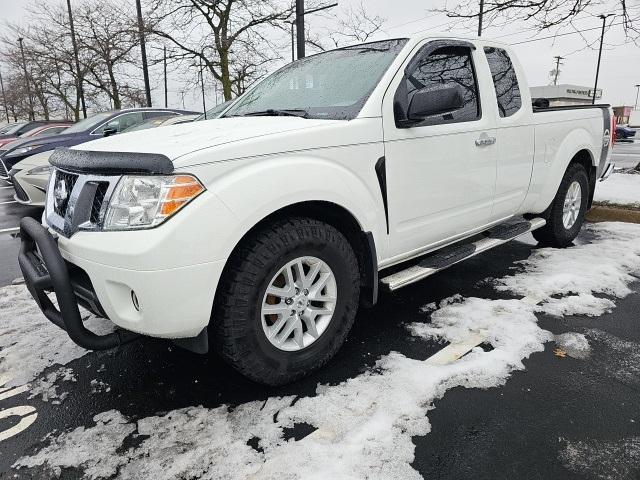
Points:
x=236 y=326
x=554 y=233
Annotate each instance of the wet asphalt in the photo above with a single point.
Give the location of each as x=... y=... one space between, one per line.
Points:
x=517 y=431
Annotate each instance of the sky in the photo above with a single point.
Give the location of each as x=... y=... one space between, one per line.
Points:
x=620 y=67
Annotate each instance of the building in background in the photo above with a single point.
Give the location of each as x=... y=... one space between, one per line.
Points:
x=623 y=114
x=564 y=94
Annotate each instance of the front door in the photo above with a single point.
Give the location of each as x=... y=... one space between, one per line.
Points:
x=440 y=170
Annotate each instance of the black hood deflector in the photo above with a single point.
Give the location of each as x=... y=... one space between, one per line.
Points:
x=110 y=163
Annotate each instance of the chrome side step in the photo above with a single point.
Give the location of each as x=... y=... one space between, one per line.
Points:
x=457 y=253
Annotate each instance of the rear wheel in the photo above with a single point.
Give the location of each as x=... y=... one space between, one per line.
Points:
x=287 y=300
x=566 y=213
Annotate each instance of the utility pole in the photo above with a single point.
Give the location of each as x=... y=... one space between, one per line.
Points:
x=204 y=102
x=166 y=92
x=299 y=23
x=26 y=79
x=6 y=108
x=635 y=107
x=480 y=18
x=557 y=72
x=595 y=86
x=74 y=43
x=300 y=28
x=143 y=51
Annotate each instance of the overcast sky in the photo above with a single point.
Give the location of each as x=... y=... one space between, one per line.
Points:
x=620 y=69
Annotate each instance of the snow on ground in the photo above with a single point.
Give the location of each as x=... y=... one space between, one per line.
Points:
x=610 y=460
x=46 y=386
x=619 y=189
x=574 y=344
x=364 y=425
x=29 y=343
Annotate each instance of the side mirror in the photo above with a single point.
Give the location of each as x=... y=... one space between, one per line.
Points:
x=429 y=101
x=110 y=129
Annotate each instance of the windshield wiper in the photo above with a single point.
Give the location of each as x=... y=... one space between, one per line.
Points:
x=292 y=112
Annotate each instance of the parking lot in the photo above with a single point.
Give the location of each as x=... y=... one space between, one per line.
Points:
x=569 y=410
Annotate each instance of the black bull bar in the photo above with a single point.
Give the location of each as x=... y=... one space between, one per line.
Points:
x=45 y=270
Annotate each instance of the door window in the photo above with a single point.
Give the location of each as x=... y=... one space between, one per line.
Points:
x=121 y=123
x=505 y=81
x=443 y=68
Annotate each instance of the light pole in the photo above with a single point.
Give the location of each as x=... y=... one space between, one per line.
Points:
x=4 y=98
x=595 y=86
x=166 y=91
x=74 y=44
x=637 y=92
x=26 y=79
x=143 y=51
x=480 y=18
x=299 y=23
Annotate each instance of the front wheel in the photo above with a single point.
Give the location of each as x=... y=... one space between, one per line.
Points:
x=566 y=213
x=287 y=300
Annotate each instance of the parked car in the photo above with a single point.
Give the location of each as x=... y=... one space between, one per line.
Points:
x=623 y=131
x=31 y=175
x=97 y=126
x=21 y=128
x=162 y=122
x=261 y=234
x=38 y=132
x=215 y=112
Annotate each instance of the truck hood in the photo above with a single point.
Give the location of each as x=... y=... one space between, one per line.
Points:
x=175 y=141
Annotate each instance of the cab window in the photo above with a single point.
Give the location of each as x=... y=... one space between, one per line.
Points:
x=505 y=81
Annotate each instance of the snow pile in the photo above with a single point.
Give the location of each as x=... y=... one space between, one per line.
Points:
x=363 y=426
x=565 y=280
x=619 y=189
x=46 y=387
x=29 y=343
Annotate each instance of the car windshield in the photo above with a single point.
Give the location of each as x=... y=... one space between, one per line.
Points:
x=332 y=85
x=89 y=123
x=14 y=127
x=215 y=111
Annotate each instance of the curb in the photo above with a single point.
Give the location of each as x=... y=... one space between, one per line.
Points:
x=600 y=213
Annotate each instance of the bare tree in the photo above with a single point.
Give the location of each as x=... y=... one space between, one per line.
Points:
x=107 y=36
x=232 y=38
x=544 y=14
x=353 y=24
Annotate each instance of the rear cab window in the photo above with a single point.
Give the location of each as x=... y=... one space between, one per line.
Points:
x=505 y=81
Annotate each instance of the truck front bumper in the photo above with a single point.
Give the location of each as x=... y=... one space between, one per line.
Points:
x=45 y=271
x=173 y=303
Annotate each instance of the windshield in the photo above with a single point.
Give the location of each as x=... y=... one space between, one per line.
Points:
x=332 y=85
x=214 y=112
x=89 y=123
x=13 y=128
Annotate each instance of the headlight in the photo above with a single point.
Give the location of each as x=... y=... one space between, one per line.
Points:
x=23 y=150
x=43 y=170
x=147 y=201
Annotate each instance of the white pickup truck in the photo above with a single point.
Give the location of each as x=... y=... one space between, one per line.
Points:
x=262 y=232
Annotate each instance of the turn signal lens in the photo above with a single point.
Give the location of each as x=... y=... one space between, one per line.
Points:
x=184 y=189
x=147 y=201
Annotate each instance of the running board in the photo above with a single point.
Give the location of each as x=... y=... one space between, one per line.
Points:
x=449 y=256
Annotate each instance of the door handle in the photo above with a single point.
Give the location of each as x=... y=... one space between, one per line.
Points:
x=485 y=140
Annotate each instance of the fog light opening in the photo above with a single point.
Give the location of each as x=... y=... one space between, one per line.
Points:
x=134 y=300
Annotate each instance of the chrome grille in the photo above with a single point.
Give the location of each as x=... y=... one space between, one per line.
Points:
x=3 y=170
x=63 y=186
x=77 y=201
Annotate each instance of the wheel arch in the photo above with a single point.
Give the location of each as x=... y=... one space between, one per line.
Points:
x=362 y=242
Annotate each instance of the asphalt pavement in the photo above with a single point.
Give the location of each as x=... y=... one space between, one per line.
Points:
x=517 y=431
